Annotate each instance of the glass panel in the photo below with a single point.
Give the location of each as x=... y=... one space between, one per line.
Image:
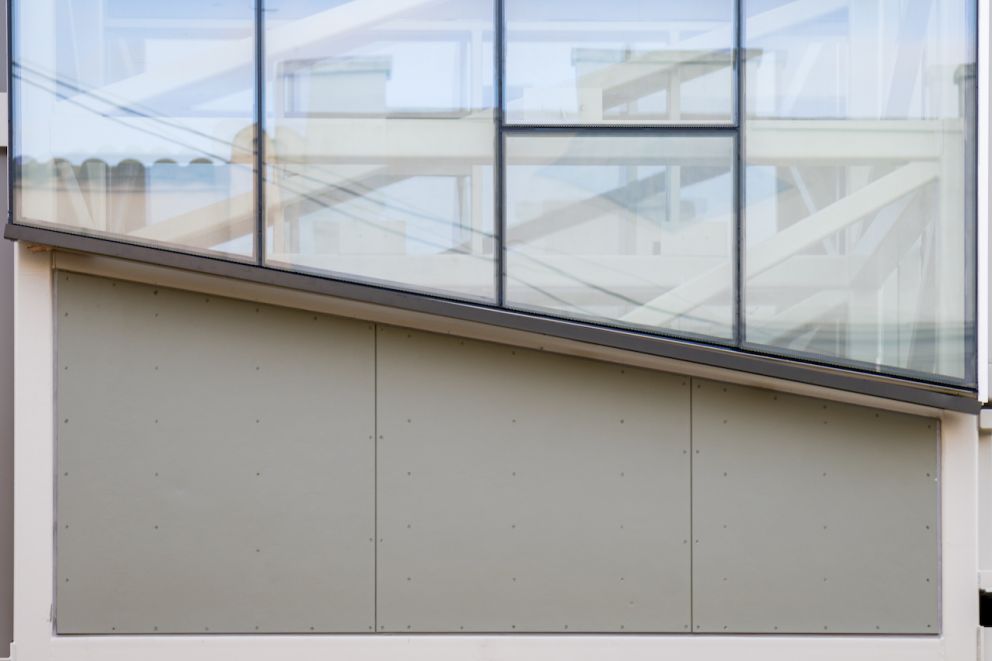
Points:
x=629 y=229
x=380 y=165
x=860 y=181
x=135 y=120
x=627 y=61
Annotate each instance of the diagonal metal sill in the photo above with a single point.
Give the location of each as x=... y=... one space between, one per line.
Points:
x=839 y=378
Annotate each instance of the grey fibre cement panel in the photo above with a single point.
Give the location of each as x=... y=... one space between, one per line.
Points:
x=520 y=491
x=215 y=464
x=812 y=517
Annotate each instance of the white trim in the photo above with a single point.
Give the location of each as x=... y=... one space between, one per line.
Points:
x=34 y=554
x=34 y=406
x=517 y=648
x=985 y=504
x=959 y=472
x=984 y=181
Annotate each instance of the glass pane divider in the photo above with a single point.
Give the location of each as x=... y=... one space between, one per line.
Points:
x=260 y=137
x=491 y=242
x=11 y=147
x=499 y=168
x=739 y=173
x=661 y=129
x=676 y=129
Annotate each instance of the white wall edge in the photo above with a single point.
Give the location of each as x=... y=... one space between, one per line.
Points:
x=985 y=504
x=4 y=138
x=984 y=182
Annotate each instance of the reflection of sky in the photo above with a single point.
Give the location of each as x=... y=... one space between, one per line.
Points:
x=812 y=69
x=171 y=9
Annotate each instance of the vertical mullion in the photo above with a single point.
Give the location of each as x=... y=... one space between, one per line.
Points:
x=740 y=62
x=499 y=177
x=11 y=149
x=260 y=132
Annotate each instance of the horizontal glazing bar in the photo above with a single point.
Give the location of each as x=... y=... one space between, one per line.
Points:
x=668 y=129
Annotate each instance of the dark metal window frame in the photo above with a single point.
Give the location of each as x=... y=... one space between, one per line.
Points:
x=853 y=376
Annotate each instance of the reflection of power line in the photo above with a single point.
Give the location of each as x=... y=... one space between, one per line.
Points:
x=219 y=157
x=126 y=106
x=566 y=274
x=306 y=196
x=321 y=203
x=358 y=194
x=144 y=112
x=623 y=298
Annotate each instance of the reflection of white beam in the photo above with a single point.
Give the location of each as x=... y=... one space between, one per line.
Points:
x=559 y=274
x=812 y=229
x=208 y=62
x=804 y=272
x=625 y=273
x=801 y=78
x=774 y=142
x=579 y=206
x=848 y=142
x=645 y=72
x=234 y=217
x=72 y=196
x=471 y=139
x=467 y=273
x=207 y=226
x=778 y=328
x=790 y=14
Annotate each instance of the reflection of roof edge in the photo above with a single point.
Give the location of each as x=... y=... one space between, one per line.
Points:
x=27 y=162
x=344 y=64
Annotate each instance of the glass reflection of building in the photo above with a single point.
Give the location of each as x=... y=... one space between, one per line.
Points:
x=800 y=182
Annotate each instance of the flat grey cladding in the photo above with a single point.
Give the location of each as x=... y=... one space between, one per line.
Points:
x=231 y=467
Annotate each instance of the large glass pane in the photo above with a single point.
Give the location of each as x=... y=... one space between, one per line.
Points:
x=860 y=181
x=626 y=61
x=380 y=163
x=135 y=120
x=630 y=229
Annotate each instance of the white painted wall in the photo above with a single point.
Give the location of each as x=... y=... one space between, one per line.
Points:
x=6 y=433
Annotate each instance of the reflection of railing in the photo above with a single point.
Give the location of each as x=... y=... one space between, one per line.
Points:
x=165 y=201
x=343 y=87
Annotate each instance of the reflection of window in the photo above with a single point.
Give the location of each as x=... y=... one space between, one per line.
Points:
x=132 y=121
x=780 y=176
x=333 y=86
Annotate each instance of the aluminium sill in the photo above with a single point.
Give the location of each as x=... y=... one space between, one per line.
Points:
x=913 y=391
